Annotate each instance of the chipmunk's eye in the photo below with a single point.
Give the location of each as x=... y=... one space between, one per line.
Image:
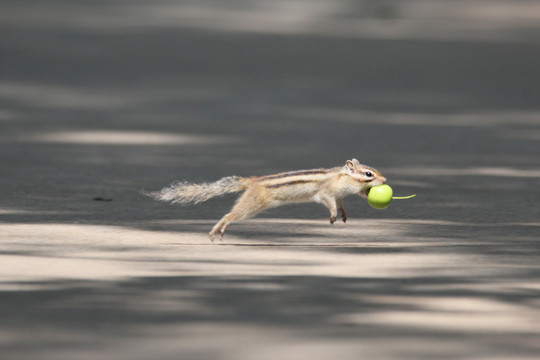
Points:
x=369 y=174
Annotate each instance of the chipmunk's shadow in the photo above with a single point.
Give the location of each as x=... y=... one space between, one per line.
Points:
x=260 y=229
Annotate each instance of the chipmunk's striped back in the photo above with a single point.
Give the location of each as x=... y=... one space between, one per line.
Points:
x=296 y=177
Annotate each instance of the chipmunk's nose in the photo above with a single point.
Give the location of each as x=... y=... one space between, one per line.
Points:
x=383 y=179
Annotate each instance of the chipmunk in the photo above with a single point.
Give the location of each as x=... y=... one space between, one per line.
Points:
x=325 y=186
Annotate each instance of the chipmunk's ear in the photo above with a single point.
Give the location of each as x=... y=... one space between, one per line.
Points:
x=350 y=165
x=355 y=162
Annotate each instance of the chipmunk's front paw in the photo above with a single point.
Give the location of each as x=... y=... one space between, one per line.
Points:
x=343 y=215
x=333 y=220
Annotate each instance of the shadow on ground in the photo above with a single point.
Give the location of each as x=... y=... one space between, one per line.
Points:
x=429 y=313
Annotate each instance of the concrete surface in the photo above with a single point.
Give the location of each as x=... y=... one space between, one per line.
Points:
x=100 y=100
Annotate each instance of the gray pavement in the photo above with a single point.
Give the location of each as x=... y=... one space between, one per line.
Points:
x=101 y=100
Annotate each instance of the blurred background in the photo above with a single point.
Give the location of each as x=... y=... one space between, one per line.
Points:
x=102 y=99
x=105 y=98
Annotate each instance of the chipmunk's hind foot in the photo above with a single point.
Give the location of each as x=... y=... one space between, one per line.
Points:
x=220 y=227
x=222 y=230
x=223 y=224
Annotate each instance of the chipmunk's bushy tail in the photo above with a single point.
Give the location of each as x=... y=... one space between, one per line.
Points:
x=184 y=193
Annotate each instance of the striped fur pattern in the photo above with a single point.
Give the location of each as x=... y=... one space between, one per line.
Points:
x=296 y=177
x=325 y=186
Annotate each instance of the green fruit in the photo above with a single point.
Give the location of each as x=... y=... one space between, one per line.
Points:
x=380 y=196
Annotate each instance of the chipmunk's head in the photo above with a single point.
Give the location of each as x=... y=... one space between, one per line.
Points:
x=364 y=176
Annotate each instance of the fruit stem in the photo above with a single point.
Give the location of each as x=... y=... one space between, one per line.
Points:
x=403 y=197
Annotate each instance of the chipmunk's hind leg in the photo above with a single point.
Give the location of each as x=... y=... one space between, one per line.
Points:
x=246 y=207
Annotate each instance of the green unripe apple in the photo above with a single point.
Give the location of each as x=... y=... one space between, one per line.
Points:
x=380 y=196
